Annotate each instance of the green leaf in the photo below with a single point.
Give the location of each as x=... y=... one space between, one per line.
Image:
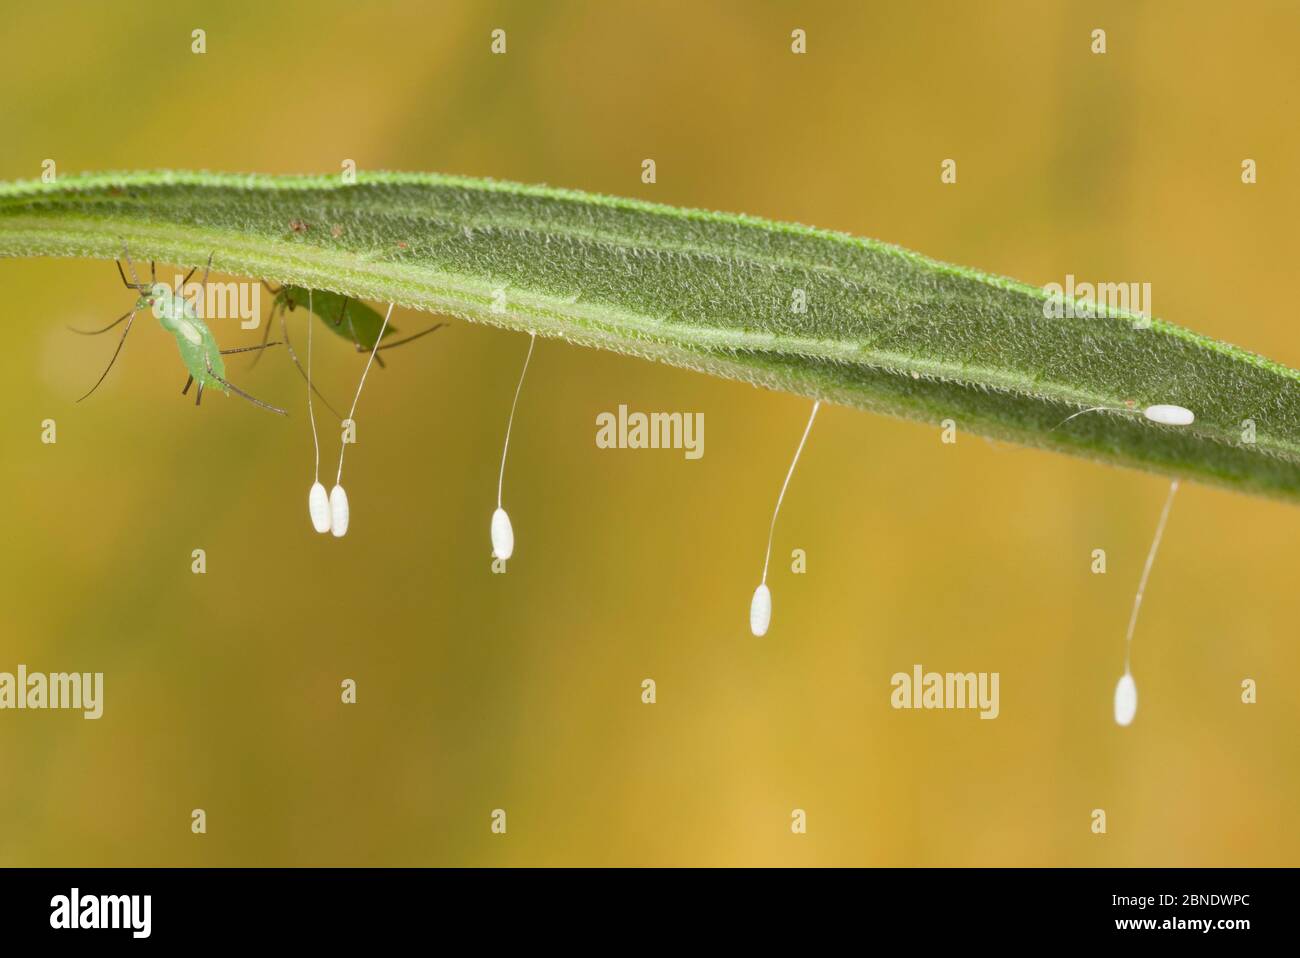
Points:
x=885 y=329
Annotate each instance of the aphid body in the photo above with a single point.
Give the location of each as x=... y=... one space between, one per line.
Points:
x=198 y=347
x=342 y=315
x=180 y=317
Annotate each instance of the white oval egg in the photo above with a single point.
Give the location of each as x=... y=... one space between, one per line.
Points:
x=1168 y=415
x=318 y=506
x=760 y=610
x=1126 y=700
x=339 y=513
x=503 y=535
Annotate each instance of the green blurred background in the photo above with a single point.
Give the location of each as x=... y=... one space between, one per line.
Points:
x=522 y=691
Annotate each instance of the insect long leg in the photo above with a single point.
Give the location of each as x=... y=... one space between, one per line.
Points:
x=410 y=339
x=96 y=332
x=186 y=280
x=239 y=392
x=189 y=381
x=120 y=342
x=198 y=395
x=284 y=331
x=266 y=333
x=248 y=349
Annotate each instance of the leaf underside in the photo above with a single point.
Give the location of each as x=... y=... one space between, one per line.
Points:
x=884 y=329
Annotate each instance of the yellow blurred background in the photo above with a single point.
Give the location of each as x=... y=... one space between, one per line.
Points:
x=523 y=691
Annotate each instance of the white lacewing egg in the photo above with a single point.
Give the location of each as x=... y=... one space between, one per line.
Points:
x=318 y=505
x=1126 y=700
x=1169 y=415
x=760 y=610
x=339 y=512
x=503 y=535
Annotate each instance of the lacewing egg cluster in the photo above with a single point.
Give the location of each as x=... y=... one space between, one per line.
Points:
x=329 y=513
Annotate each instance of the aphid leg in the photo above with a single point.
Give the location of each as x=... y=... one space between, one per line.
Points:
x=189 y=381
x=343 y=311
x=120 y=342
x=266 y=333
x=409 y=339
x=239 y=392
x=186 y=280
x=284 y=331
x=247 y=349
x=198 y=395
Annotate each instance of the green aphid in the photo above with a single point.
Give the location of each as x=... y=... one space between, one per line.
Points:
x=180 y=317
x=342 y=315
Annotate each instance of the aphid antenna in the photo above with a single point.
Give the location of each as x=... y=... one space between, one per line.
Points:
x=137 y=285
x=129 y=320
